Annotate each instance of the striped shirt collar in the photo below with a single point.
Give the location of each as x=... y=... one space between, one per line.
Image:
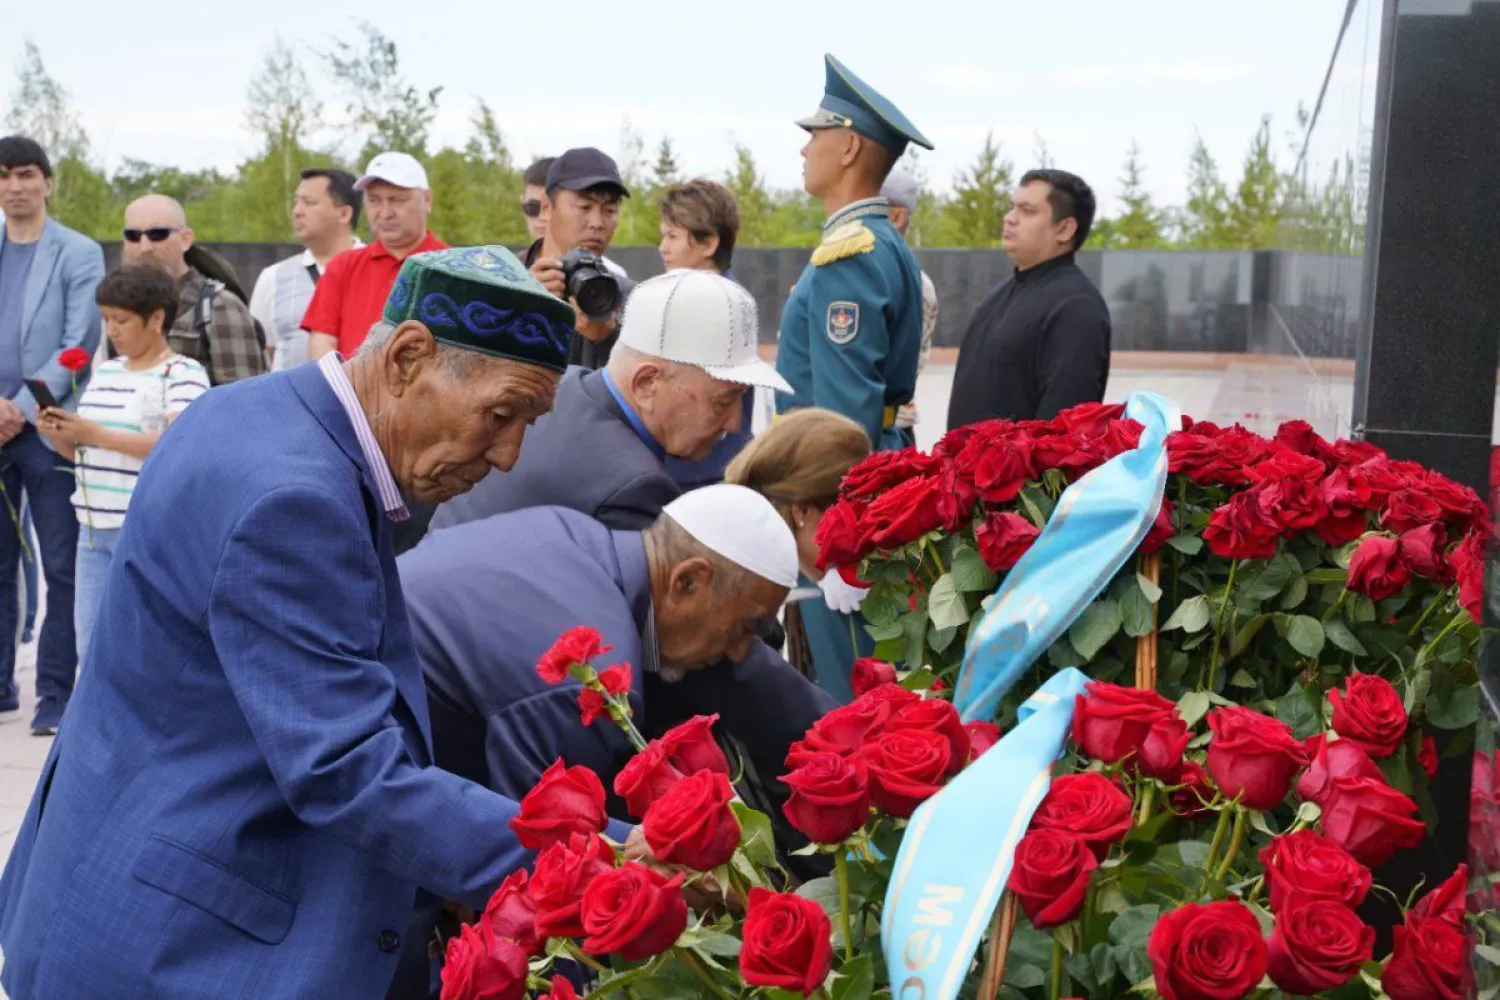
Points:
x=858 y=210
x=332 y=367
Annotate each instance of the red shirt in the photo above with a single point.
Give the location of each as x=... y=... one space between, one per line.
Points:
x=350 y=296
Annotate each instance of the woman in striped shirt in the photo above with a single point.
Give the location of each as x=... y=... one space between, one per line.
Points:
x=121 y=415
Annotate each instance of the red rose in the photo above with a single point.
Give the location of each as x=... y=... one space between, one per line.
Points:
x=938 y=716
x=894 y=696
x=1331 y=760
x=1299 y=436
x=956 y=496
x=1252 y=756
x=1408 y=509
x=576 y=645
x=1065 y=451
x=1349 y=499
x=1089 y=806
x=691 y=747
x=982 y=736
x=868 y=673
x=1370 y=819
x=480 y=966
x=1003 y=539
x=511 y=913
x=1089 y=417
x=882 y=470
x=1243 y=528
x=904 y=514
x=634 y=912
x=692 y=825
x=1191 y=799
x=1050 y=876
x=1207 y=455
x=564 y=801
x=1317 y=945
x=1369 y=713
x=562 y=873
x=845 y=729
x=999 y=466
x=1356 y=452
x=1162 y=529
x=1387 y=476
x=1467 y=563
x=1308 y=866
x=1111 y=722
x=1376 y=568
x=591 y=705
x=646 y=778
x=1207 y=951
x=1427 y=757
x=840 y=535
x=1427 y=962
x=1447 y=901
x=907 y=767
x=788 y=942
x=616 y=679
x=74 y=359
x=1161 y=753
x=1460 y=505
x=1296 y=504
x=830 y=797
x=562 y=989
x=1282 y=465
x=1424 y=549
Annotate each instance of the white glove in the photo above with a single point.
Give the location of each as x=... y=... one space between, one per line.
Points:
x=839 y=595
x=906 y=416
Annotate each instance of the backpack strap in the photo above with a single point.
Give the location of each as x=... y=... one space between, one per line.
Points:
x=202 y=316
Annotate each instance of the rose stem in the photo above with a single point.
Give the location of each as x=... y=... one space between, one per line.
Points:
x=578 y=955
x=936 y=561
x=1235 y=842
x=1255 y=889
x=1147 y=801
x=1213 y=661
x=622 y=981
x=841 y=868
x=1219 y=831
x=698 y=970
x=1054 y=991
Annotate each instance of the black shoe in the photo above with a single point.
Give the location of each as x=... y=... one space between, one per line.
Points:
x=48 y=717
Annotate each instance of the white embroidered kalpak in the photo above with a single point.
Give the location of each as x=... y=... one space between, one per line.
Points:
x=742 y=526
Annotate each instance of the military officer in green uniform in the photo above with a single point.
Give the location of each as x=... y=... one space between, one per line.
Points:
x=851 y=331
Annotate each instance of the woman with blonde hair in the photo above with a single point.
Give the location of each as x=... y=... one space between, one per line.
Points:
x=798 y=464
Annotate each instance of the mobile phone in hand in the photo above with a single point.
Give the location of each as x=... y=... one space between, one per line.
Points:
x=41 y=393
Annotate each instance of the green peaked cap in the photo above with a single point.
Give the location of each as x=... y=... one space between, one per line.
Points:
x=849 y=102
x=483 y=299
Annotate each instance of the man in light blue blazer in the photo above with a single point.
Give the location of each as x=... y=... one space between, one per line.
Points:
x=241 y=803
x=48 y=274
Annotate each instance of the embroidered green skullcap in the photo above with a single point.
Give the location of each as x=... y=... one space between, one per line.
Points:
x=483 y=299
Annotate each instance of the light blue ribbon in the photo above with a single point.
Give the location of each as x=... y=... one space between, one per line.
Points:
x=956 y=855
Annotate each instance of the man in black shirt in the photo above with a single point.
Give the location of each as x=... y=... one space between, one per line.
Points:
x=1040 y=342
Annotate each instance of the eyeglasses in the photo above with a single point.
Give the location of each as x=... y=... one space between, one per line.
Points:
x=531 y=207
x=155 y=234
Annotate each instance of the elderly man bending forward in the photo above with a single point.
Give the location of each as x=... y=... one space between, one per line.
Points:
x=240 y=802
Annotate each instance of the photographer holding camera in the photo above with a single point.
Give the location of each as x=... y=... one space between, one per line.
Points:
x=581 y=207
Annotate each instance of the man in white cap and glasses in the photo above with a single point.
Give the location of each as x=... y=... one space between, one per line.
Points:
x=681 y=599
x=901 y=190
x=351 y=293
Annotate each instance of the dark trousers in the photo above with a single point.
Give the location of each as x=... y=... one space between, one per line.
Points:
x=27 y=464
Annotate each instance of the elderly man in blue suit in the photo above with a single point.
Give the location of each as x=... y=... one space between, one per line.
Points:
x=48 y=274
x=240 y=802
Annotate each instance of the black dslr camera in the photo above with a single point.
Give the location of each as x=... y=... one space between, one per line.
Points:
x=589 y=283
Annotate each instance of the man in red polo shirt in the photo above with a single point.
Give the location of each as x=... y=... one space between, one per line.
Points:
x=351 y=294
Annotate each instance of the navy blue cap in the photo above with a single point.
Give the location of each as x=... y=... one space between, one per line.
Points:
x=849 y=102
x=584 y=168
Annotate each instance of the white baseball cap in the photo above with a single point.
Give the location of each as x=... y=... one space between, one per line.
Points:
x=900 y=189
x=400 y=169
x=702 y=319
x=742 y=526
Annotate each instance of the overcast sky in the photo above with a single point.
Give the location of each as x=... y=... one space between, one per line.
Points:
x=166 y=82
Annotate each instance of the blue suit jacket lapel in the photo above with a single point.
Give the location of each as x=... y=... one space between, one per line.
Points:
x=47 y=252
x=325 y=407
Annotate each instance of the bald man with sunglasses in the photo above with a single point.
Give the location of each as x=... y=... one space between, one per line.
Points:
x=223 y=337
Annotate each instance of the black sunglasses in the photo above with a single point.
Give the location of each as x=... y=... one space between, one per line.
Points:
x=531 y=208
x=155 y=234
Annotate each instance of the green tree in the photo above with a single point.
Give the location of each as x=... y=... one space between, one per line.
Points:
x=40 y=109
x=385 y=110
x=975 y=214
x=757 y=225
x=1254 y=213
x=665 y=172
x=1205 y=217
x=639 y=214
x=1041 y=154
x=1139 y=224
x=476 y=190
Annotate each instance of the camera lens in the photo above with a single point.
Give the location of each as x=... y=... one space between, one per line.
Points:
x=598 y=296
